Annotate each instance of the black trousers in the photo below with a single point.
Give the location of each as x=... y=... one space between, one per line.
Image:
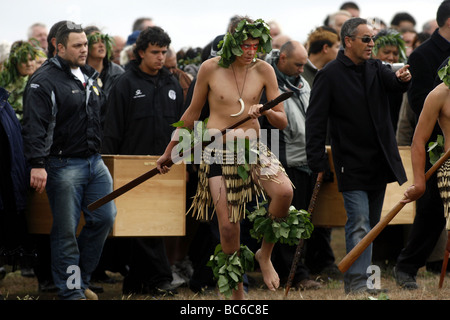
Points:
x=317 y=253
x=149 y=265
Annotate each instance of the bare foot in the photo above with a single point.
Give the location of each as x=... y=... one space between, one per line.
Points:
x=270 y=276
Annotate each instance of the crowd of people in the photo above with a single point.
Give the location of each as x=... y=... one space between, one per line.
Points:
x=72 y=93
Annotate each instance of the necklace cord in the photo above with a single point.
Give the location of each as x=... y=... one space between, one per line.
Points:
x=235 y=80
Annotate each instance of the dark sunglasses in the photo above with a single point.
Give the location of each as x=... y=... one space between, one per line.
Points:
x=366 y=39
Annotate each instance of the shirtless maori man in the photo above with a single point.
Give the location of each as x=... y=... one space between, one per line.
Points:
x=436 y=108
x=229 y=83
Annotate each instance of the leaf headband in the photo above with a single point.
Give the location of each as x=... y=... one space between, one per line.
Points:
x=230 y=46
x=95 y=37
x=20 y=53
x=391 y=39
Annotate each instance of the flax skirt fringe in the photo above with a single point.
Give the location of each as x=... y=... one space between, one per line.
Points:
x=238 y=191
x=443 y=181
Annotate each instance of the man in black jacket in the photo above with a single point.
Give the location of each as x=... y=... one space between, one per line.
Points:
x=62 y=140
x=429 y=221
x=351 y=92
x=141 y=107
x=13 y=186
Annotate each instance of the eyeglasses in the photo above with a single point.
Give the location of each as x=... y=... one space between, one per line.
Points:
x=365 y=39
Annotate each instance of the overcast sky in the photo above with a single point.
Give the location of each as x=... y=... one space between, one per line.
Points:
x=194 y=23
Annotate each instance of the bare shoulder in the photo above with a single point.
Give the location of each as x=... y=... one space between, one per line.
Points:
x=437 y=104
x=262 y=66
x=208 y=71
x=438 y=96
x=441 y=89
x=265 y=73
x=210 y=64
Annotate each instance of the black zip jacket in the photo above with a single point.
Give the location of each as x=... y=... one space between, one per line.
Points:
x=61 y=115
x=354 y=99
x=140 y=111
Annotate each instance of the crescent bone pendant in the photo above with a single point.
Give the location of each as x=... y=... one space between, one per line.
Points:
x=241 y=102
x=242 y=108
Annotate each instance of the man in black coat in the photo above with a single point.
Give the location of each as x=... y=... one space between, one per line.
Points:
x=351 y=92
x=429 y=221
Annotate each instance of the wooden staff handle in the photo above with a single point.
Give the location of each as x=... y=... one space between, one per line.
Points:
x=130 y=185
x=301 y=243
x=354 y=254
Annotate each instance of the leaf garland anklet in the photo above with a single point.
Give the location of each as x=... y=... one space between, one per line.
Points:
x=276 y=219
x=287 y=230
x=229 y=269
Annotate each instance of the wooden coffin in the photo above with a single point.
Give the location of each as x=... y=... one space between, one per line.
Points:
x=156 y=207
x=330 y=211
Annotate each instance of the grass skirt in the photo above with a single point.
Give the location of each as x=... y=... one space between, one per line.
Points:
x=443 y=182
x=239 y=191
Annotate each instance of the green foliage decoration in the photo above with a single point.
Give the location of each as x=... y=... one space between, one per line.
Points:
x=200 y=133
x=230 y=46
x=436 y=149
x=391 y=39
x=182 y=63
x=16 y=90
x=20 y=52
x=107 y=40
x=11 y=79
x=296 y=226
x=229 y=270
x=242 y=146
x=444 y=74
x=196 y=135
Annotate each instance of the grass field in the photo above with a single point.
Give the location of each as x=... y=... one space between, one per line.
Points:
x=16 y=287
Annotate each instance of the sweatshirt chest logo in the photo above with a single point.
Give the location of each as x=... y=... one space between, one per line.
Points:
x=172 y=95
x=138 y=94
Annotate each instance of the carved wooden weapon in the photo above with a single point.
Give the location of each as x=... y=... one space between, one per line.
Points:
x=130 y=185
x=354 y=254
x=298 y=251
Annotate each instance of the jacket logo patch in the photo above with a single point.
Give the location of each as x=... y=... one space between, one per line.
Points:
x=138 y=94
x=172 y=94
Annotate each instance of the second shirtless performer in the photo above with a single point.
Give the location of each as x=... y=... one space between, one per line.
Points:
x=234 y=80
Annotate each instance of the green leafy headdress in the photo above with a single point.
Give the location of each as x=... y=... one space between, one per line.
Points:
x=444 y=74
x=390 y=38
x=20 y=52
x=105 y=38
x=230 y=46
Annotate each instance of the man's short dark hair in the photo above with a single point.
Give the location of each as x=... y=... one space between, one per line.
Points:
x=402 y=16
x=443 y=13
x=52 y=34
x=152 y=35
x=349 y=5
x=62 y=35
x=349 y=28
